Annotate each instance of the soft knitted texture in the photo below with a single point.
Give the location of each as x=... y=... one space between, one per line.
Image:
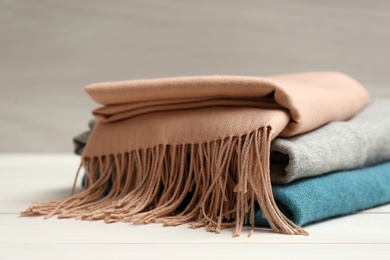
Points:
x=314 y=199
x=361 y=141
x=208 y=138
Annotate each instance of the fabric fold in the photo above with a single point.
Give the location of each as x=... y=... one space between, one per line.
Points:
x=207 y=139
x=332 y=95
x=359 y=142
x=318 y=198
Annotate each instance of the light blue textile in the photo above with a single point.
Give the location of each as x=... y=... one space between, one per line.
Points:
x=318 y=198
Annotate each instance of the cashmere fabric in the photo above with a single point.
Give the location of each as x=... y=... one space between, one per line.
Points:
x=342 y=145
x=361 y=141
x=315 y=199
x=160 y=141
x=199 y=109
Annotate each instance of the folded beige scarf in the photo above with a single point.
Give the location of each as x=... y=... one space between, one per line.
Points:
x=196 y=149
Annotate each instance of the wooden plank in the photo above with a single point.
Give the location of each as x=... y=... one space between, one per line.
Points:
x=358 y=228
x=380 y=209
x=35 y=178
x=194 y=251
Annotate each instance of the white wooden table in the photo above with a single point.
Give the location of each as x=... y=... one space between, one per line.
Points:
x=40 y=177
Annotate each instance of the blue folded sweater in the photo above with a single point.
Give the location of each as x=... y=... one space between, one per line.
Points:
x=314 y=199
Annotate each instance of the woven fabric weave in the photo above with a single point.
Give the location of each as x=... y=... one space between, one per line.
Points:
x=361 y=141
x=318 y=198
x=342 y=145
x=159 y=141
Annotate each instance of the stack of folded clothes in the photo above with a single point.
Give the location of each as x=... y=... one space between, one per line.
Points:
x=282 y=151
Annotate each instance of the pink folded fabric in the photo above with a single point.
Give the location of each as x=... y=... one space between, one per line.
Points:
x=196 y=149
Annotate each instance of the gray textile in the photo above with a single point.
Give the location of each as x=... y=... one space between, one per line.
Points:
x=80 y=140
x=362 y=141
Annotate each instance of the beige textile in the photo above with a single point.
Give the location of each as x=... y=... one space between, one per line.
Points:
x=162 y=111
x=196 y=149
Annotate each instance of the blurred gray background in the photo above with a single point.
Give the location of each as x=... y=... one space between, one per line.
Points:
x=51 y=49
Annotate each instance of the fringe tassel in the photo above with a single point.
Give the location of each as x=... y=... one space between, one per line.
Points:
x=213 y=185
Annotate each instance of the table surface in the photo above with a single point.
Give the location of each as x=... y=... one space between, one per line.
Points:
x=29 y=178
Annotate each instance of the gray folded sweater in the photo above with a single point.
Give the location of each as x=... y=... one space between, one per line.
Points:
x=361 y=141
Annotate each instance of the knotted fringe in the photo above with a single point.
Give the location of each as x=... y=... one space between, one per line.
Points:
x=213 y=185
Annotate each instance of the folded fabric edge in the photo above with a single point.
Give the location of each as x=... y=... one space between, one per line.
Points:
x=225 y=178
x=318 y=198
